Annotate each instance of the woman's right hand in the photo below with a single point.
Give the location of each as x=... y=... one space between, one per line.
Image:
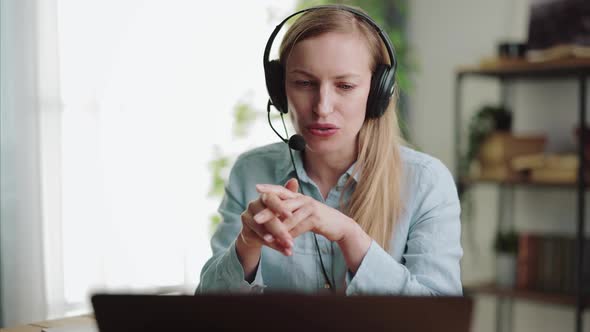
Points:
x=272 y=234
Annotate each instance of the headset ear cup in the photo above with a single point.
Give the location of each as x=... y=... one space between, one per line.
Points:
x=382 y=84
x=275 y=83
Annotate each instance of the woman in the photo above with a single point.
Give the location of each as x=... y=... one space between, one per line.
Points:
x=376 y=217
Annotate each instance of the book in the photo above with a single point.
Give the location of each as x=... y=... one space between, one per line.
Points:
x=568 y=161
x=558 y=29
x=528 y=162
x=500 y=148
x=558 y=52
x=527 y=259
x=567 y=283
x=498 y=173
x=556 y=176
x=549 y=263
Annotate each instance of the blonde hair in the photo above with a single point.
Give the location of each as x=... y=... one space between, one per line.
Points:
x=375 y=203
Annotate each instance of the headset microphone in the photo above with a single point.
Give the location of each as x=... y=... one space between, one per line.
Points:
x=297 y=142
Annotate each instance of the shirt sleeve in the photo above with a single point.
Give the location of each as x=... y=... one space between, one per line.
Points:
x=431 y=262
x=223 y=272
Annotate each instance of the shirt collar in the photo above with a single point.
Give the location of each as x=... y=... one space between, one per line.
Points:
x=286 y=167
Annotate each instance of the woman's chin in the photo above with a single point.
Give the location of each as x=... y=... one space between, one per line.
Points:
x=321 y=146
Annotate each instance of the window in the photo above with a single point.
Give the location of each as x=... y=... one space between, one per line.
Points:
x=148 y=89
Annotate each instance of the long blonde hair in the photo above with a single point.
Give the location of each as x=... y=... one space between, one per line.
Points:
x=375 y=203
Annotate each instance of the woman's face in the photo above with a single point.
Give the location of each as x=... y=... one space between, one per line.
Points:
x=328 y=78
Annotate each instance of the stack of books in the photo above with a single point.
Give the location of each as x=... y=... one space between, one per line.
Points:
x=548 y=168
x=498 y=150
x=549 y=263
x=558 y=29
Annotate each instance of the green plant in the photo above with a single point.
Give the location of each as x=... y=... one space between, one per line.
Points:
x=486 y=120
x=506 y=242
x=244 y=117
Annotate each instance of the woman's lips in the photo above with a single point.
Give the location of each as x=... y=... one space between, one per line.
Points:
x=323 y=130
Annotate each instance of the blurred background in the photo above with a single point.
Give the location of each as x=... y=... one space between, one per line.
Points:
x=120 y=121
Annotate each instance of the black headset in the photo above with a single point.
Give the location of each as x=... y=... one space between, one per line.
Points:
x=382 y=80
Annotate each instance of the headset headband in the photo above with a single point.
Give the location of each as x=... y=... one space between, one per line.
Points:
x=384 y=37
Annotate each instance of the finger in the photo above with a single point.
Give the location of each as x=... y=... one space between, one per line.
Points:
x=249 y=237
x=269 y=234
x=283 y=250
x=298 y=216
x=302 y=227
x=255 y=239
x=268 y=214
x=264 y=216
x=282 y=192
x=259 y=230
x=292 y=185
x=256 y=206
x=276 y=228
x=272 y=231
x=276 y=204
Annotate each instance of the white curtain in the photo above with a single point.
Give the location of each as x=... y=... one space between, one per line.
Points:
x=111 y=111
x=30 y=109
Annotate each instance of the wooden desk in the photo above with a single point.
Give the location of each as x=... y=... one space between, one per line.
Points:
x=39 y=326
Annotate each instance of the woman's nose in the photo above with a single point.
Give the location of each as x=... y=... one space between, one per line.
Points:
x=324 y=104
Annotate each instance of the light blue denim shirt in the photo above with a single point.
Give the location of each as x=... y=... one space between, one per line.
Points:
x=423 y=256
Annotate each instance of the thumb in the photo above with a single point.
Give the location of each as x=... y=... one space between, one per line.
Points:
x=292 y=185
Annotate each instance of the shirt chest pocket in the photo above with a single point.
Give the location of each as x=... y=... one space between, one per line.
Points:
x=305 y=245
x=298 y=272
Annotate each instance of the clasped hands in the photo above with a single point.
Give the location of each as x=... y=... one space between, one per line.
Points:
x=280 y=214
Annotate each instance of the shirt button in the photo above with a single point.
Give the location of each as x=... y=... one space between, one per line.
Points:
x=326 y=285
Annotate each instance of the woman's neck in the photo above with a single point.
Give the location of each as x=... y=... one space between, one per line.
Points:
x=326 y=168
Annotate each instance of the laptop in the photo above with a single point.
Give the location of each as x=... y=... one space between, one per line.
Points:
x=280 y=312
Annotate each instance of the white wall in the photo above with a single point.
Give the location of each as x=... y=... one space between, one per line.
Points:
x=445 y=35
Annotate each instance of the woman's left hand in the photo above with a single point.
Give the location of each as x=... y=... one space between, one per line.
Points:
x=308 y=214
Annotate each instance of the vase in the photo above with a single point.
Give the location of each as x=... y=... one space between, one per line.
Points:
x=505 y=269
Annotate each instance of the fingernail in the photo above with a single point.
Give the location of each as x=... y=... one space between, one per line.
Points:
x=287 y=243
x=268 y=238
x=258 y=218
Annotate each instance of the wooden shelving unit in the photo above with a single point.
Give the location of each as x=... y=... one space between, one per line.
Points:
x=527 y=295
x=506 y=71
x=523 y=183
x=524 y=69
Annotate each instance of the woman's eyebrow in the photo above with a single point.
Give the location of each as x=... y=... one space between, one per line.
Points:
x=341 y=76
x=301 y=71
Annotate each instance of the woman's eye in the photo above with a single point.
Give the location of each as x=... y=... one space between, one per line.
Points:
x=303 y=83
x=345 y=86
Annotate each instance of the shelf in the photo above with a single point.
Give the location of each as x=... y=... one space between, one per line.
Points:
x=527 y=295
x=524 y=183
x=505 y=72
x=520 y=68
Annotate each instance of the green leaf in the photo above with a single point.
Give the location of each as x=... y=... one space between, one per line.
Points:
x=215 y=221
x=218 y=166
x=244 y=116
